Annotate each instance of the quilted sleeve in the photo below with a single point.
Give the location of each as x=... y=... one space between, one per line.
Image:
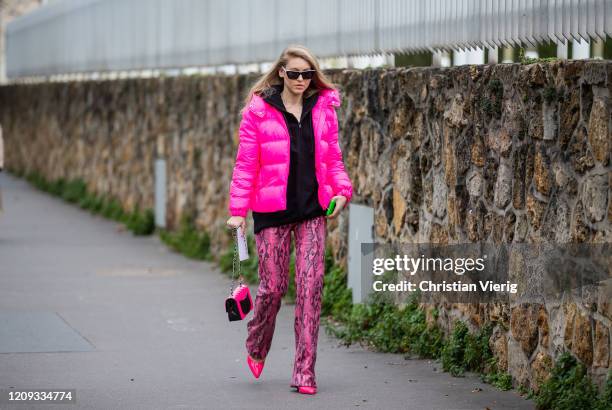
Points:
x=338 y=176
x=246 y=167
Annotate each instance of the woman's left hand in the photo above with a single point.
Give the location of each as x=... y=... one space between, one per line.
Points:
x=340 y=203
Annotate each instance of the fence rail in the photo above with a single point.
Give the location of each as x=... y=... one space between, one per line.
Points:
x=73 y=36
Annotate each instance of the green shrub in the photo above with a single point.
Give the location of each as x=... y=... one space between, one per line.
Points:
x=112 y=209
x=454 y=350
x=529 y=60
x=477 y=351
x=188 y=240
x=606 y=396
x=39 y=181
x=57 y=187
x=569 y=388
x=86 y=202
x=501 y=380
x=464 y=351
x=91 y=202
x=97 y=204
x=337 y=298
x=290 y=295
x=74 y=190
x=389 y=328
x=142 y=223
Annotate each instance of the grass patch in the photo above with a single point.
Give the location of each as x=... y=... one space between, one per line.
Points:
x=188 y=240
x=74 y=190
x=141 y=223
x=112 y=209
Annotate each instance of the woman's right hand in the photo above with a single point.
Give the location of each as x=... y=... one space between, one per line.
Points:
x=236 y=221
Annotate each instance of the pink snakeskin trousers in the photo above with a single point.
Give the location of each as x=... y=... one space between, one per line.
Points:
x=274 y=250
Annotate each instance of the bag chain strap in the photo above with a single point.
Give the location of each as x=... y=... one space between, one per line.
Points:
x=235 y=261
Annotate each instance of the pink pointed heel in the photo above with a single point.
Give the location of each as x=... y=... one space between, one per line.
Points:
x=307 y=390
x=255 y=366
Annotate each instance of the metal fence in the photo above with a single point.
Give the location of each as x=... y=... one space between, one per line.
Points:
x=72 y=36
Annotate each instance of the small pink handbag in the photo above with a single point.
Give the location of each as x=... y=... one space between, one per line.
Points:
x=239 y=302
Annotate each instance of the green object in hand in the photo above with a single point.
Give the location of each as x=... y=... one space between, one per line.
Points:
x=330 y=209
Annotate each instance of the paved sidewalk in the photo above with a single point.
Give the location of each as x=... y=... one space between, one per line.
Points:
x=131 y=325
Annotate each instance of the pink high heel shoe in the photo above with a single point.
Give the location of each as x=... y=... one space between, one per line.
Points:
x=255 y=366
x=307 y=390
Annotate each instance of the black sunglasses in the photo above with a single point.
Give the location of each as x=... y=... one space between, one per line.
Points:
x=294 y=75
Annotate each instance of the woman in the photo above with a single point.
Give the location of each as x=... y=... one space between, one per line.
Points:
x=288 y=169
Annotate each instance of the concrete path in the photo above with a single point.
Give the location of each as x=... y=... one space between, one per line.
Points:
x=131 y=325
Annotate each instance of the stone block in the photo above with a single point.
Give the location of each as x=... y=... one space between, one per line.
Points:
x=524 y=326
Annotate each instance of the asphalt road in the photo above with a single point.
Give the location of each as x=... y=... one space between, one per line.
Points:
x=129 y=324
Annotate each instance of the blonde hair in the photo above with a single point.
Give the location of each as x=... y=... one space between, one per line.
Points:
x=271 y=77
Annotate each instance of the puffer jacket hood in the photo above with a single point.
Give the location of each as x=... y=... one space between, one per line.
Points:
x=259 y=179
x=258 y=106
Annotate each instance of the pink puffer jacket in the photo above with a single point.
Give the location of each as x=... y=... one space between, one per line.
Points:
x=259 y=180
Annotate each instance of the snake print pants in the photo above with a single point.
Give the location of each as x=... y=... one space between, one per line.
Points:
x=274 y=250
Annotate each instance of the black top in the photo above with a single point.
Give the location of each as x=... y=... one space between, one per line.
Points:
x=302 y=202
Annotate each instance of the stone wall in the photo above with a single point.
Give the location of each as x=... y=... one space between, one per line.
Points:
x=498 y=153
